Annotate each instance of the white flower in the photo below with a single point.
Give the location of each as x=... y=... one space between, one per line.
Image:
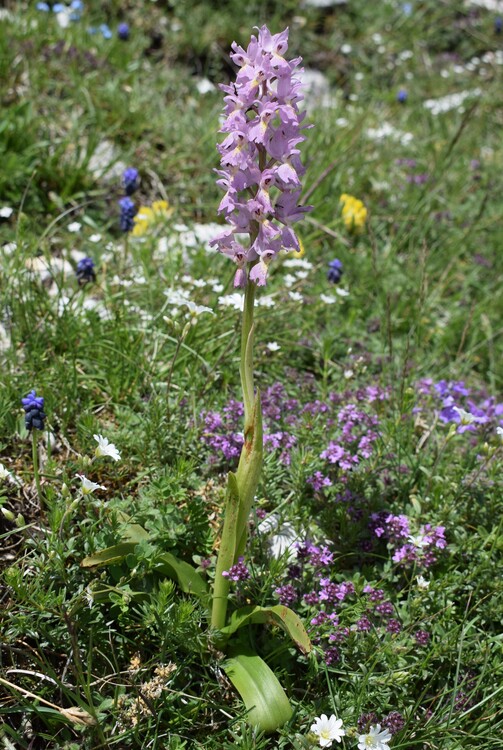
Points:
x=88 y=486
x=296 y=296
x=297 y=263
x=106 y=448
x=418 y=541
x=328 y=299
x=273 y=346
x=74 y=226
x=195 y=310
x=4 y=473
x=465 y=416
x=234 y=300
x=422 y=583
x=284 y=542
x=328 y=729
x=95 y=238
x=6 y=212
x=499 y=432
x=374 y=739
x=265 y=300
x=342 y=292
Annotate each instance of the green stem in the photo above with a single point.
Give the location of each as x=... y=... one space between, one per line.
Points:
x=34 y=453
x=246 y=364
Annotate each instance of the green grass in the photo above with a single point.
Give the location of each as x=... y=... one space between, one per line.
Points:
x=113 y=358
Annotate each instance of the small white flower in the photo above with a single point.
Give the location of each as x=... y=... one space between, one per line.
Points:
x=4 y=473
x=328 y=729
x=342 y=292
x=273 y=346
x=418 y=541
x=106 y=448
x=374 y=739
x=234 y=300
x=284 y=542
x=422 y=583
x=95 y=238
x=6 y=212
x=465 y=416
x=499 y=432
x=265 y=300
x=298 y=263
x=88 y=486
x=74 y=226
x=196 y=310
x=328 y=299
x=296 y=296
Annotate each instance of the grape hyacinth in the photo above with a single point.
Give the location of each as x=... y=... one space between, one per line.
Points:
x=33 y=406
x=335 y=271
x=261 y=166
x=123 y=31
x=128 y=212
x=130 y=180
x=85 y=271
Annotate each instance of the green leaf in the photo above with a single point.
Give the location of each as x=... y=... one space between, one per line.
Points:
x=109 y=555
x=279 y=615
x=265 y=700
x=184 y=574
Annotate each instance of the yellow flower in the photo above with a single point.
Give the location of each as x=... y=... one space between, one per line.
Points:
x=150 y=215
x=354 y=213
x=300 y=252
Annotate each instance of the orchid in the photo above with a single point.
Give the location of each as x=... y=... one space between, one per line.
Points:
x=261 y=166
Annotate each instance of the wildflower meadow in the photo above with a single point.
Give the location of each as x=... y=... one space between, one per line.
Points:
x=251 y=409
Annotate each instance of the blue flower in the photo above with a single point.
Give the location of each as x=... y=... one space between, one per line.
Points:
x=130 y=180
x=335 y=271
x=498 y=25
x=106 y=31
x=128 y=212
x=402 y=96
x=43 y=6
x=33 y=406
x=85 y=271
x=123 y=31
x=58 y=7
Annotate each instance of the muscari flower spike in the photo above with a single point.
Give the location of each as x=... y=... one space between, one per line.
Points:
x=130 y=180
x=85 y=271
x=128 y=212
x=260 y=159
x=33 y=406
x=123 y=31
x=335 y=271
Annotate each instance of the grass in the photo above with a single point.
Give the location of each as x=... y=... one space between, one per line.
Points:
x=114 y=357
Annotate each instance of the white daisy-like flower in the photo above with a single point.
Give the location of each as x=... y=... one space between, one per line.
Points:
x=422 y=583
x=75 y=226
x=328 y=299
x=196 y=310
x=328 y=729
x=296 y=296
x=375 y=739
x=87 y=486
x=298 y=263
x=6 y=212
x=234 y=300
x=273 y=346
x=106 y=448
x=284 y=542
x=4 y=473
x=499 y=432
x=465 y=416
x=95 y=238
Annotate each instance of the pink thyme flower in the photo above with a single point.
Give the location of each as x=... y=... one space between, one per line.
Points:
x=261 y=166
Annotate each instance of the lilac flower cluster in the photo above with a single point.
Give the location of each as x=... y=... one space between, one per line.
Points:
x=456 y=403
x=421 y=549
x=284 y=416
x=238 y=572
x=261 y=166
x=355 y=442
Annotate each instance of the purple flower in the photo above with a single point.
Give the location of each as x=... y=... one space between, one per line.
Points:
x=85 y=271
x=33 y=406
x=260 y=154
x=335 y=271
x=287 y=595
x=402 y=96
x=394 y=721
x=394 y=626
x=422 y=637
x=123 y=31
x=128 y=212
x=130 y=180
x=238 y=572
